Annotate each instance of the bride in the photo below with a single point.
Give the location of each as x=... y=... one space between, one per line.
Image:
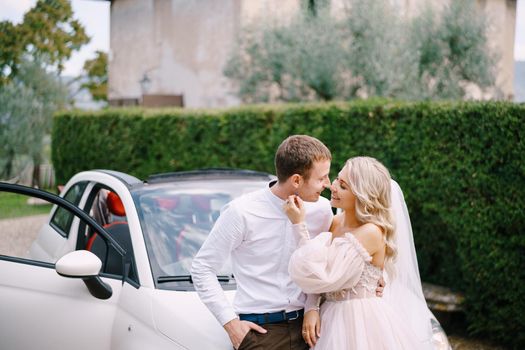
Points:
x=343 y=266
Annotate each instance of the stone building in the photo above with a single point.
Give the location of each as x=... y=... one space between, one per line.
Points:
x=172 y=52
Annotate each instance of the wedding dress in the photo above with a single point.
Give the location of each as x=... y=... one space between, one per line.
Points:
x=352 y=316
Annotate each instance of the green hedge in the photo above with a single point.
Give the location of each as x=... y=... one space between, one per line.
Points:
x=461 y=166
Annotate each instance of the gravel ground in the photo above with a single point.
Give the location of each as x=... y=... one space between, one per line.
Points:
x=16 y=235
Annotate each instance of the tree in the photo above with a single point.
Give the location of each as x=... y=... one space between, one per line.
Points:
x=96 y=71
x=48 y=34
x=31 y=57
x=370 y=50
x=17 y=103
x=378 y=55
x=452 y=50
x=26 y=105
x=299 y=61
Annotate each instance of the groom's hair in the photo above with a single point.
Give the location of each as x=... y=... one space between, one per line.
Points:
x=297 y=154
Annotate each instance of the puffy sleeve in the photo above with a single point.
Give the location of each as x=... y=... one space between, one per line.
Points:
x=320 y=265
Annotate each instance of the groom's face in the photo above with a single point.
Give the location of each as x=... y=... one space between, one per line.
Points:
x=311 y=189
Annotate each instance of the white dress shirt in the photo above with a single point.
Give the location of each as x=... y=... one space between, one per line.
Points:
x=255 y=232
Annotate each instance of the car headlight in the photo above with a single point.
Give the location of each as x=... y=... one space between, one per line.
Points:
x=439 y=338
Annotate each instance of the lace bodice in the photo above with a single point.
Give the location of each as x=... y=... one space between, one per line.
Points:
x=366 y=285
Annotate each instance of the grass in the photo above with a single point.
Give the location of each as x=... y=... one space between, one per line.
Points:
x=14 y=205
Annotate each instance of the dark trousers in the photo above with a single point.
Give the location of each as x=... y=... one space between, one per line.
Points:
x=280 y=336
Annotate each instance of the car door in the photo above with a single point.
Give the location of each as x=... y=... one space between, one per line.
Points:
x=39 y=309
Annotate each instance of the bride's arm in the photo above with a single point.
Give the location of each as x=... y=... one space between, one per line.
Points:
x=312 y=320
x=295 y=210
x=312 y=302
x=301 y=234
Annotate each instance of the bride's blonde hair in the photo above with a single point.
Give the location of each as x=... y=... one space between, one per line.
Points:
x=369 y=181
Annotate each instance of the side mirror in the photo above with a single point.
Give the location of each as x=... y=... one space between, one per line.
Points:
x=85 y=265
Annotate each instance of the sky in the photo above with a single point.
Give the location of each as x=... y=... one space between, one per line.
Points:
x=94 y=15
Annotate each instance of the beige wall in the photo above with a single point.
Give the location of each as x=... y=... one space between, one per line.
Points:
x=180 y=45
x=132 y=46
x=279 y=10
x=183 y=45
x=502 y=18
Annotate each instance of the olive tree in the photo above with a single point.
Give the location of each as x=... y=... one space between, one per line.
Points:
x=32 y=54
x=368 y=50
x=27 y=104
x=298 y=61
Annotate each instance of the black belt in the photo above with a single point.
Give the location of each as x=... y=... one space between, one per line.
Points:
x=274 y=317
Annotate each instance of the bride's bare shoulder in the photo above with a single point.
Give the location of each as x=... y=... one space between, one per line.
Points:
x=370 y=236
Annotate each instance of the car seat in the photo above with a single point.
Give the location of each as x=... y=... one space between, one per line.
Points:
x=119 y=230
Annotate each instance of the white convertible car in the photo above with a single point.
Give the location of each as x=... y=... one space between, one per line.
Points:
x=109 y=267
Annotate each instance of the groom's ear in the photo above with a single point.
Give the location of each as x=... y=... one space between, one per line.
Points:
x=296 y=180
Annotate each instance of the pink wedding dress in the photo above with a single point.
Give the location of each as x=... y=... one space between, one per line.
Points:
x=352 y=316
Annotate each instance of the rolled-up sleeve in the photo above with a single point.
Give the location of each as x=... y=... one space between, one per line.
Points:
x=225 y=236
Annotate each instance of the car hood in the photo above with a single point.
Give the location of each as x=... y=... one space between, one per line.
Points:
x=182 y=317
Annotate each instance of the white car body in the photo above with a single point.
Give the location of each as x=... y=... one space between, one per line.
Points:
x=43 y=310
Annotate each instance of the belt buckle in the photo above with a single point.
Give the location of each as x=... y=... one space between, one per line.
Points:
x=292 y=318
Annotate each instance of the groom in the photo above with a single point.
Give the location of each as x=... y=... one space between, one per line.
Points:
x=253 y=230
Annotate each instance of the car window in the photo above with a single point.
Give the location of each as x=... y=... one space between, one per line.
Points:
x=177 y=217
x=62 y=218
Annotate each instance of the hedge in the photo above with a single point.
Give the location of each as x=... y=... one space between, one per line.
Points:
x=461 y=166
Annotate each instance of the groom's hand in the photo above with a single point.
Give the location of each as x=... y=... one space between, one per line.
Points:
x=238 y=329
x=380 y=287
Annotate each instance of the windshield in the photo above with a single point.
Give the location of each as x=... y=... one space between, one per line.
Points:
x=177 y=217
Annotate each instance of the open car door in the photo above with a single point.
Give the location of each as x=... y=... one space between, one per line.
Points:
x=52 y=303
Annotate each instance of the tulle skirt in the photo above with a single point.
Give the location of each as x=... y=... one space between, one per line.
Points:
x=363 y=324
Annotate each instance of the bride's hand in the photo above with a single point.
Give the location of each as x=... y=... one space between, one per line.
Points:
x=294 y=209
x=311 y=327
